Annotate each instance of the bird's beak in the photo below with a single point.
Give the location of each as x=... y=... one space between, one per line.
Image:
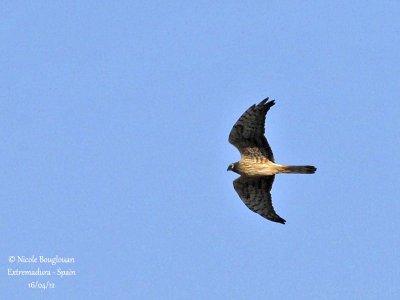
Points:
x=229 y=168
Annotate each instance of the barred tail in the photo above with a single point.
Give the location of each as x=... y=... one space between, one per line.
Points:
x=299 y=169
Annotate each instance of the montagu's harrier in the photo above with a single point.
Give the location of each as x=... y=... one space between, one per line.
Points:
x=257 y=166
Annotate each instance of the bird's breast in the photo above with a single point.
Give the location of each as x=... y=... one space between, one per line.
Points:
x=257 y=168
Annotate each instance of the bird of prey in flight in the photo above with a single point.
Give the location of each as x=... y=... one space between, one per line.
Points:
x=257 y=166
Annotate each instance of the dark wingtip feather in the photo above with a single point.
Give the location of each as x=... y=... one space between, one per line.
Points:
x=280 y=220
x=276 y=218
x=266 y=103
x=270 y=103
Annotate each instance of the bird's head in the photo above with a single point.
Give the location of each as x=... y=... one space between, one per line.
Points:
x=232 y=167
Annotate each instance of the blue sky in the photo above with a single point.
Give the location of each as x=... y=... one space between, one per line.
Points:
x=114 y=121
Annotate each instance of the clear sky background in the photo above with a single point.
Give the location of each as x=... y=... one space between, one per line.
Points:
x=114 y=120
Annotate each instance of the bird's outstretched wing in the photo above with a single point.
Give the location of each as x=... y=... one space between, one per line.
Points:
x=255 y=192
x=247 y=135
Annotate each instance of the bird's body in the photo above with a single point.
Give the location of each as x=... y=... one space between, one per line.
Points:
x=263 y=167
x=257 y=166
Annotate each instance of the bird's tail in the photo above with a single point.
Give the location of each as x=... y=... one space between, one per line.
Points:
x=299 y=169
